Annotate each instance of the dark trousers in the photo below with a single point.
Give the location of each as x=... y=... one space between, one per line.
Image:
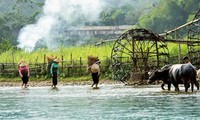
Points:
x=25 y=79
x=95 y=78
x=55 y=78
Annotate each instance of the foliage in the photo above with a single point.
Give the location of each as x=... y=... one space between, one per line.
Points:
x=5 y=45
x=125 y=12
x=16 y=14
x=169 y=14
x=156 y=15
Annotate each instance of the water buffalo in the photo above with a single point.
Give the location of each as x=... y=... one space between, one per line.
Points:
x=176 y=74
x=185 y=73
x=162 y=74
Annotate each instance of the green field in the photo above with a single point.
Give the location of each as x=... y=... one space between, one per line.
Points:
x=68 y=53
x=72 y=53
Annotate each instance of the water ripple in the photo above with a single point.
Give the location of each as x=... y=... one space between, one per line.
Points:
x=109 y=102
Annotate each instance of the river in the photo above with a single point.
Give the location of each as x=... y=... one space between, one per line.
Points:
x=110 y=102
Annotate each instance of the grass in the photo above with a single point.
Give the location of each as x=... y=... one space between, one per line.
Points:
x=73 y=53
x=173 y=49
x=68 y=53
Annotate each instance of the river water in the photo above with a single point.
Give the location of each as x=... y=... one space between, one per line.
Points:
x=110 y=102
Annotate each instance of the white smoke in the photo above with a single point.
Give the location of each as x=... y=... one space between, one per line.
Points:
x=56 y=14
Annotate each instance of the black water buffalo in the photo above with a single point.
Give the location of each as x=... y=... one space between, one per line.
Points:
x=162 y=74
x=184 y=73
x=175 y=74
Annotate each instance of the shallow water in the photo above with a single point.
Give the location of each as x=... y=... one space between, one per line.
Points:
x=109 y=102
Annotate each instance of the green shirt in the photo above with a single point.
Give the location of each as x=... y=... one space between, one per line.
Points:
x=54 y=65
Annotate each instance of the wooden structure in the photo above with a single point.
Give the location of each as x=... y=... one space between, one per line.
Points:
x=136 y=51
x=67 y=68
x=98 y=30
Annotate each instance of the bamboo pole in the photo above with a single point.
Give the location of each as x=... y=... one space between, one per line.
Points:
x=44 y=65
x=13 y=60
x=80 y=66
x=71 y=58
x=182 y=26
x=62 y=66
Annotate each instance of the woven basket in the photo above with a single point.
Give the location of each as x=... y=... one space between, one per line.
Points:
x=94 y=68
x=51 y=58
x=92 y=60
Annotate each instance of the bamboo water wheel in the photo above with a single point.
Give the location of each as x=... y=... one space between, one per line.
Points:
x=135 y=52
x=194 y=38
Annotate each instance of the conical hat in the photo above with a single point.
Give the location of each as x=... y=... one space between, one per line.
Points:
x=23 y=63
x=22 y=60
x=50 y=58
x=56 y=60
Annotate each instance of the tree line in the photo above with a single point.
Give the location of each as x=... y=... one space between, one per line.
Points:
x=156 y=15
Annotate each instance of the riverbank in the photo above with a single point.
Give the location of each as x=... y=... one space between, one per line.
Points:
x=36 y=83
x=46 y=81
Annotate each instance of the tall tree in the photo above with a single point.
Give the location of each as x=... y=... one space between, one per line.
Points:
x=168 y=15
x=15 y=14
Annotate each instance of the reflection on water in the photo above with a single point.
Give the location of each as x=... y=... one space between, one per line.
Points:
x=109 y=102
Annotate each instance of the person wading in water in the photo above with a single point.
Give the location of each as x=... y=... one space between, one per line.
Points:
x=50 y=61
x=95 y=69
x=24 y=73
x=54 y=72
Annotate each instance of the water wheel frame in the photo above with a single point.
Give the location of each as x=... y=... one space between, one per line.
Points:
x=193 y=36
x=136 y=52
